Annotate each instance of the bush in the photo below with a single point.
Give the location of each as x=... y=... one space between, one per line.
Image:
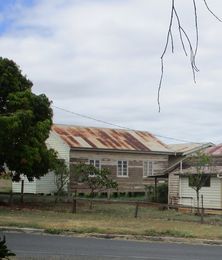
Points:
x=4 y=251
x=162 y=193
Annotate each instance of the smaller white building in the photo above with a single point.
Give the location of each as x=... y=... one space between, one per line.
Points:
x=44 y=185
x=181 y=191
x=212 y=193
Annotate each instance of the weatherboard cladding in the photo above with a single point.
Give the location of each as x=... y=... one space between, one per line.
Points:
x=109 y=139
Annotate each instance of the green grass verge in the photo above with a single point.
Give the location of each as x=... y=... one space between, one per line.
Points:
x=111 y=219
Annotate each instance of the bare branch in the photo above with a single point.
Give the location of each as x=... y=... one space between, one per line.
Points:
x=196 y=28
x=163 y=54
x=172 y=44
x=184 y=38
x=208 y=8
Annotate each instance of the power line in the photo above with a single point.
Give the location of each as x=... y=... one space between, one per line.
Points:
x=91 y=118
x=115 y=125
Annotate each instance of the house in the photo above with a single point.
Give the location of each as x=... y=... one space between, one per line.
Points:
x=131 y=156
x=180 y=190
x=134 y=158
x=182 y=151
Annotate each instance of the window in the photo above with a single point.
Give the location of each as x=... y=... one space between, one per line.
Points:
x=122 y=169
x=96 y=164
x=196 y=180
x=147 y=169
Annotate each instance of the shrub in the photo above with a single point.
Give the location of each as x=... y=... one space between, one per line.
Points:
x=162 y=193
x=4 y=251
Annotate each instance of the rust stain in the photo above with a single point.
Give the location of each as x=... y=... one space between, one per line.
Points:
x=68 y=141
x=110 y=140
x=89 y=142
x=120 y=139
x=135 y=143
x=105 y=138
x=151 y=137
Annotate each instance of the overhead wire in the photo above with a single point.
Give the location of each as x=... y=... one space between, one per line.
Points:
x=118 y=126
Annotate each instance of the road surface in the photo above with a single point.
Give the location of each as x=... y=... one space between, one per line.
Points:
x=33 y=246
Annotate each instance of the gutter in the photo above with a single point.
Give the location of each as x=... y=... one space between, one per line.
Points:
x=121 y=151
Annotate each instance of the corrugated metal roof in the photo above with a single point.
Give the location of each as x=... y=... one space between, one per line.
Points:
x=187 y=148
x=110 y=139
x=206 y=170
x=215 y=150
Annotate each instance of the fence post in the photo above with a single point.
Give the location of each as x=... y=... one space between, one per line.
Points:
x=10 y=200
x=22 y=192
x=136 y=210
x=74 y=203
x=202 y=210
x=155 y=189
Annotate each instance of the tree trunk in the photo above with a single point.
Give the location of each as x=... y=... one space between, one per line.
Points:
x=136 y=210
x=57 y=198
x=198 y=202
x=74 y=203
x=58 y=195
x=91 y=200
x=22 y=192
x=10 y=200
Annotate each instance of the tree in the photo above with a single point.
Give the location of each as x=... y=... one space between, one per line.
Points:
x=97 y=180
x=62 y=177
x=25 y=122
x=198 y=178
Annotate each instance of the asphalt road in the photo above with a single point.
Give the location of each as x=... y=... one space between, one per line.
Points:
x=32 y=246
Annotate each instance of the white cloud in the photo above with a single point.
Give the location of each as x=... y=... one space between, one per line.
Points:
x=102 y=58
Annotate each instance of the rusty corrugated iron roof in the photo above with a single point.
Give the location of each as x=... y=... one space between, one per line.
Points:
x=110 y=139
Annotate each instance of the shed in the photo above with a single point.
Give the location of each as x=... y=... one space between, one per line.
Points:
x=185 y=195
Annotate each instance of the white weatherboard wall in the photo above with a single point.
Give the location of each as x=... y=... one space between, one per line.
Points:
x=29 y=186
x=211 y=195
x=46 y=184
x=63 y=150
x=55 y=142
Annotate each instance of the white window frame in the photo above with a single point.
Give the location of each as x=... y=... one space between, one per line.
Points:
x=120 y=168
x=148 y=169
x=94 y=162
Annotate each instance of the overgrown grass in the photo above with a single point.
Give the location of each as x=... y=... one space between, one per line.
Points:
x=110 y=219
x=169 y=232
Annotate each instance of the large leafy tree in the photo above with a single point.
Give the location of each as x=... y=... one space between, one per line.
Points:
x=25 y=122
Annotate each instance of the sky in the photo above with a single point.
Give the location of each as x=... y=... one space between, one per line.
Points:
x=101 y=58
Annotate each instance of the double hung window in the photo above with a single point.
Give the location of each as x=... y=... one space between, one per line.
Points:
x=122 y=169
x=96 y=164
x=147 y=168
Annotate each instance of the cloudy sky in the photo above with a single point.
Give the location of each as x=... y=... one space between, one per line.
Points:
x=101 y=58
